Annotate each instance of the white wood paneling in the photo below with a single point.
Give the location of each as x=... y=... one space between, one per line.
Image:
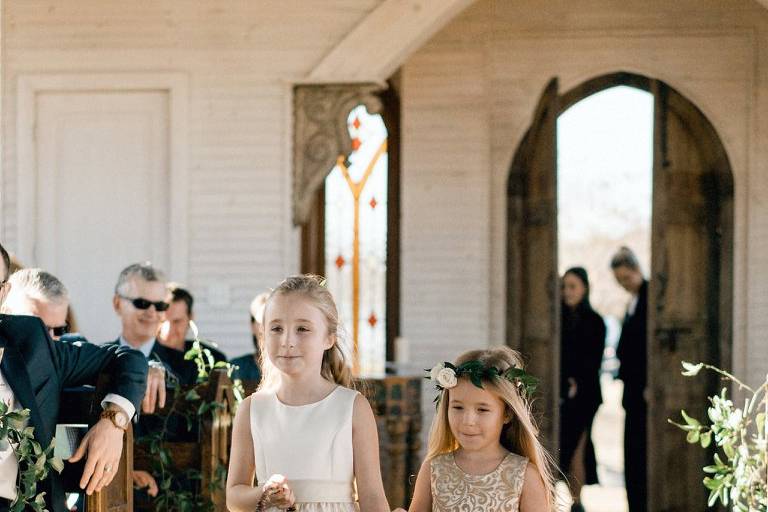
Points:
x=102 y=181
x=240 y=58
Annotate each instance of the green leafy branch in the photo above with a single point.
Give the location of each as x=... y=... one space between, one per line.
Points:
x=739 y=473
x=34 y=462
x=171 y=496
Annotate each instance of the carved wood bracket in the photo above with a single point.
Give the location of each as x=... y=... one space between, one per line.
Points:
x=320 y=135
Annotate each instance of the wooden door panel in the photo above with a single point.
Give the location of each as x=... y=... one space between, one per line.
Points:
x=532 y=311
x=685 y=296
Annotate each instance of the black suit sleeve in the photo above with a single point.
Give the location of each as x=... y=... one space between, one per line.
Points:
x=596 y=346
x=81 y=363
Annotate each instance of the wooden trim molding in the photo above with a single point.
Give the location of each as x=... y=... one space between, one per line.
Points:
x=320 y=135
x=385 y=39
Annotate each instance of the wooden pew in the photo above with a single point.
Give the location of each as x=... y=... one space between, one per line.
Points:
x=83 y=406
x=211 y=447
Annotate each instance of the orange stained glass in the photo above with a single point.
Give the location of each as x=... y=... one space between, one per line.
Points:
x=358 y=236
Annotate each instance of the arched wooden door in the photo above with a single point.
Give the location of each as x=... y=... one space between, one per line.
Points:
x=533 y=314
x=690 y=293
x=690 y=297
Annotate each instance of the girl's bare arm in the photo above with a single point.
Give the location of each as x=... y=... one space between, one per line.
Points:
x=242 y=496
x=422 y=492
x=365 y=445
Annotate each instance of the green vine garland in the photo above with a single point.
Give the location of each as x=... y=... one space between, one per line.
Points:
x=34 y=462
x=171 y=497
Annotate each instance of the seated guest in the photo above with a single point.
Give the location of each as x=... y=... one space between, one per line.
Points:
x=248 y=367
x=33 y=372
x=173 y=332
x=71 y=321
x=140 y=302
x=35 y=292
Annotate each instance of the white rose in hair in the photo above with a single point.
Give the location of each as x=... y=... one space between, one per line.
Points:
x=447 y=378
x=434 y=371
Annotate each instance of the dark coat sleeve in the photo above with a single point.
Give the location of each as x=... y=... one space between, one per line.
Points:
x=82 y=362
x=594 y=345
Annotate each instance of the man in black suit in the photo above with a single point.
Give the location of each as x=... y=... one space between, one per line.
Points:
x=173 y=332
x=33 y=372
x=633 y=357
x=140 y=302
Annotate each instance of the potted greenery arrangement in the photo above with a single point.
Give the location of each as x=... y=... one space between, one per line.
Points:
x=738 y=476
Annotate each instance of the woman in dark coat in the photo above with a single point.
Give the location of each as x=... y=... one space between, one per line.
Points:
x=582 y=344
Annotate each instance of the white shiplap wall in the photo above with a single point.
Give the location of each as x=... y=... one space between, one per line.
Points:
x=240 y=57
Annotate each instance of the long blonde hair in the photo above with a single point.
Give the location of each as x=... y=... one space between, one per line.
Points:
x=519 y=436
x=335 y=366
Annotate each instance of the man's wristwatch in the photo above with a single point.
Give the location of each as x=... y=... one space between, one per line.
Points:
x=117 y=417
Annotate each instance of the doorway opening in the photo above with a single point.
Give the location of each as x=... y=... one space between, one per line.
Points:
x=688 y=265
x=604 y=188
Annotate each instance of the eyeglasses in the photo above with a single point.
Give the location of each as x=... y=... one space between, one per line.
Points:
x=140 y=303
x=60 y=330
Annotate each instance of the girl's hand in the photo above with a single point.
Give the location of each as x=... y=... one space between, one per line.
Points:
x=278 y=493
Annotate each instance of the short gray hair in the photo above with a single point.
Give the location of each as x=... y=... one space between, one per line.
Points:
x=145 y=271
x=36 y=283
x=625 y=257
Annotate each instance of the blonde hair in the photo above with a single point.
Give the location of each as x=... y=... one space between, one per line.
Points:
x=335 y=366
x=257 y=306
x=519 y=436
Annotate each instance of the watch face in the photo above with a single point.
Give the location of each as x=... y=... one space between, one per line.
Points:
x=121 y=419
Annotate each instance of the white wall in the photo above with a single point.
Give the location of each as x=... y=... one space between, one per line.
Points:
x=240 y=57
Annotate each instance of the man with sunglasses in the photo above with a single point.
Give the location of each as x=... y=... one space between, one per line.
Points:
x=140 y=302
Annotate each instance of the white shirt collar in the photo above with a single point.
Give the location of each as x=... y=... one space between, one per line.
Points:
x=145 y=348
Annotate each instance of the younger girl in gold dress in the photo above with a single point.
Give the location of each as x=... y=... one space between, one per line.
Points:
x=484 y=453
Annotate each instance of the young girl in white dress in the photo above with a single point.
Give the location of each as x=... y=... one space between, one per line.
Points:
x=307 y=437
x=483 y=451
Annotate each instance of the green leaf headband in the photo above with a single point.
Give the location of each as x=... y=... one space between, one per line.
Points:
x=446 y=376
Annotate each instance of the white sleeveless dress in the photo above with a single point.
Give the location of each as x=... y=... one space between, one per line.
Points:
x=311 y=445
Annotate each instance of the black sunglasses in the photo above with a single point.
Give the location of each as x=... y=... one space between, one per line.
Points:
x=140 y=303
x=60 y=330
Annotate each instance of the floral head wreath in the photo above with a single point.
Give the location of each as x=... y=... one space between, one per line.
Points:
x=446 y=376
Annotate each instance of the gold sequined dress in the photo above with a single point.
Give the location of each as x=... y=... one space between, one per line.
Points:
x=453 y=490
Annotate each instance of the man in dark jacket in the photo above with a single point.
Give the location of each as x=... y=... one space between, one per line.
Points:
x=632 y=354
x=140 y=301
x=33 y=372
x=180 y=314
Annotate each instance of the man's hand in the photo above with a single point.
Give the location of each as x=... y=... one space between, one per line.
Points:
x=104 y=445
x=155 y=394
x=142 y=479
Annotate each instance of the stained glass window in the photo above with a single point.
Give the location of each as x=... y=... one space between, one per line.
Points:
x=356 y=240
